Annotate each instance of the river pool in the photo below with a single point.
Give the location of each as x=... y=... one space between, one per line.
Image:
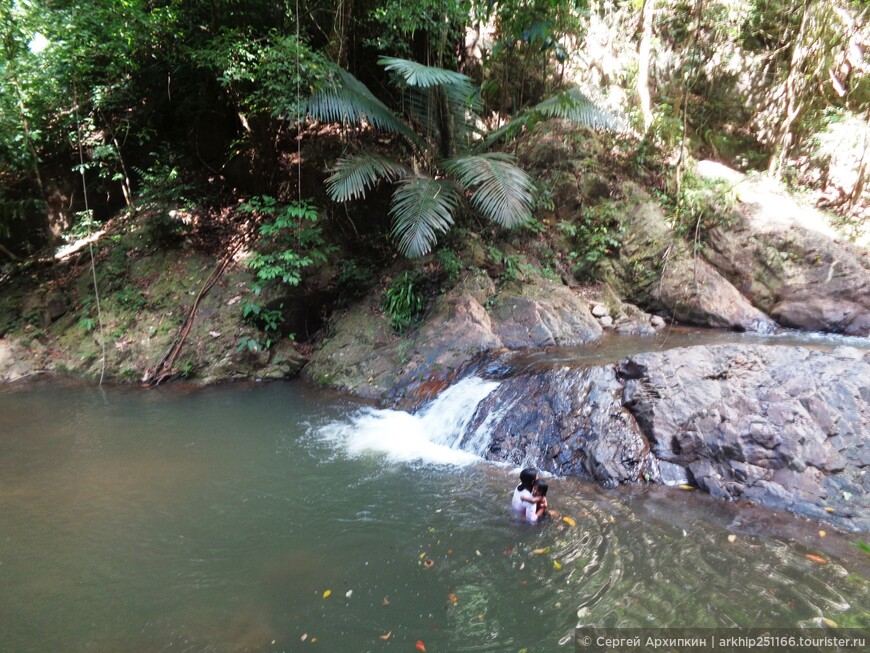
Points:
x=277 y=517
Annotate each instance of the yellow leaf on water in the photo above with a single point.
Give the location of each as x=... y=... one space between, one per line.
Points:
x=326 y=593
x=569 y=521
x=830 y=623
x=819 y=560
x=829 y=509
x=686 y=486
x=538 y=552
x=386 y=601
x=422 y=555
x=822 y=533
x=732 y=538
x=556 y=565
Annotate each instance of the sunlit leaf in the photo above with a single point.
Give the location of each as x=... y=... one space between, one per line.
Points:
x=685 y=486
x=420 y=646
x=569 y=521
x=327 y=593
x=453 y=599
x=538 y=552
x=386 y=635
x=557 y=565
x=819 y=560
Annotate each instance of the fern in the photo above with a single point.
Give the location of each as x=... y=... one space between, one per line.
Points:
x=571 y=105
x=503 y=191
x=347 y=100
x=353 y=176
x=421 y=207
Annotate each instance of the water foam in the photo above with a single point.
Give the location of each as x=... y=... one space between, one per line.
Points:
x=431 y=436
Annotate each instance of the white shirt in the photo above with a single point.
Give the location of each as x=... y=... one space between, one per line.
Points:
x=518 y=506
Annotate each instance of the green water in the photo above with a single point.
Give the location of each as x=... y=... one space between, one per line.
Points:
x=217 y=519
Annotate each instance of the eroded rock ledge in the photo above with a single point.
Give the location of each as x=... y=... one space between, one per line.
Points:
x=787 y=427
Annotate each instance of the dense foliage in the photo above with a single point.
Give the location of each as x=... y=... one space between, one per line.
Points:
x=221 y=91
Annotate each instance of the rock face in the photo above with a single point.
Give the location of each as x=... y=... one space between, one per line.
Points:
x=658 y=272
x=787 y=427
x=570 y=422
x=16 y=362
x=367 y=358
x=787 y=261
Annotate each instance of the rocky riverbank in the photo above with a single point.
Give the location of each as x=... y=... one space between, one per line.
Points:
x=781 y=426
x=787 y=427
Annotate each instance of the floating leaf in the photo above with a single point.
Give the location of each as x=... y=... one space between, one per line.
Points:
x=822 y=533
x=420 y=645
x=830 y=623
x=348 y=593
x=686 y=486
x=327 y=593
x=428 y=563
x=477 y=551
x=732 y=538
x=569 y=521
x=556 y=565
x=422 y=555
x=304 y=637
x=819 y=560
x=453 y=598
x=829 y=509
x=386 y=601
x=538 y=552
x=386 y=635
x=314 y=640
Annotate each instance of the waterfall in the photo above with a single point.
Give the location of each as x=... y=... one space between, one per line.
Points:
x=432 y=435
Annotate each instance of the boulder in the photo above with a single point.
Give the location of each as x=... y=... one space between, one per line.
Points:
x=783 y=426
x=16 y=361
x=657 y=271
x=542 y=314
x=786 y=258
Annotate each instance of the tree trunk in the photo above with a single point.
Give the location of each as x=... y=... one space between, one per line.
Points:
x=643 y=60
x=784 y=139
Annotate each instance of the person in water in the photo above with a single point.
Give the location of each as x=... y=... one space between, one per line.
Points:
x=523 y=492
x=536 y=505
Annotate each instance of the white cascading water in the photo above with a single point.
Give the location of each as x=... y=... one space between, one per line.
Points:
x=432 y=435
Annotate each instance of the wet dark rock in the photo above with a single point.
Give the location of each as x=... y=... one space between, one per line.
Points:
x=781 y=426
x=569 y=422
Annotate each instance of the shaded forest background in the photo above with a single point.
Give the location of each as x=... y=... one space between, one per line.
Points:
x=175 y=112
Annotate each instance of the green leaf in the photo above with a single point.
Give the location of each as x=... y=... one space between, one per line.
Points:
x=416 y=74
x=421 y=207
x=353 y=176
x=343 y=98
x=503 y=191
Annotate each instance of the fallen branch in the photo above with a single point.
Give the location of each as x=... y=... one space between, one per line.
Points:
x=163 y=370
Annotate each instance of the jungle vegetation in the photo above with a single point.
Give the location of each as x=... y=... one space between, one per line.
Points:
x=178 y=111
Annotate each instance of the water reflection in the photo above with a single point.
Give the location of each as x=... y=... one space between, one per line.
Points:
x=217 y=520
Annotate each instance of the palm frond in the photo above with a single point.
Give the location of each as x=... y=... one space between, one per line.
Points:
x=347 y=100
x=574 y=106
x=571 y=105
x=503 y=191
x=421 y=207
x=416 y=74
x=352 y=176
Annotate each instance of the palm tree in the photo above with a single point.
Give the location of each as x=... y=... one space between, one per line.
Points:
x=448 y=167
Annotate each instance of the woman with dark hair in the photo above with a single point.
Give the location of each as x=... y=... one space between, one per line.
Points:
x=523 y=492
